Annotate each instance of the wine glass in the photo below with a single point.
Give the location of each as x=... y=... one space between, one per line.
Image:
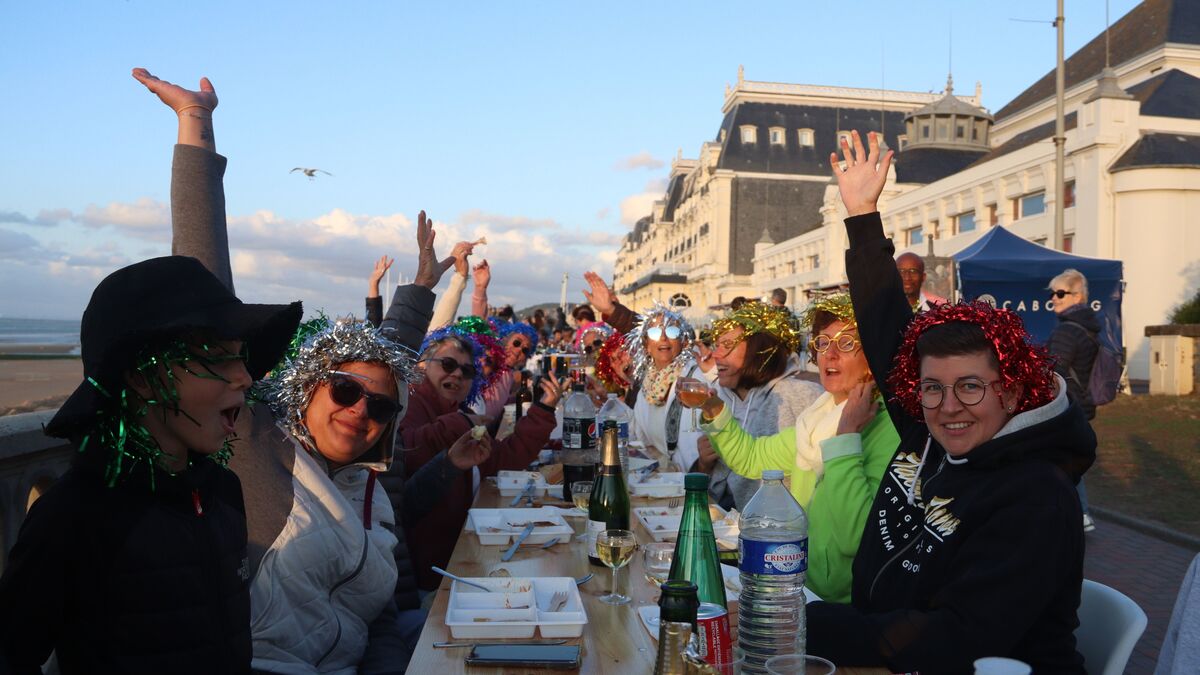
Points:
x=692 y=394
x=581 y=496
x=656 y=561
x=615 y=548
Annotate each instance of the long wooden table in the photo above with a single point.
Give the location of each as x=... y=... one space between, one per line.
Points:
x=614 y=639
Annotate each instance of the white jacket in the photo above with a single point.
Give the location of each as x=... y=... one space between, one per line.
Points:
x=298 y=624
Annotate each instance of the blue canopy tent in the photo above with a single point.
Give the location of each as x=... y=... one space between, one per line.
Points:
x=1012 y=272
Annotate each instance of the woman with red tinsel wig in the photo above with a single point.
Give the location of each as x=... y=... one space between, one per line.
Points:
x=977 y=549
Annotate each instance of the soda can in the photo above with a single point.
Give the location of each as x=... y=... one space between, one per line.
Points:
x=712 y=633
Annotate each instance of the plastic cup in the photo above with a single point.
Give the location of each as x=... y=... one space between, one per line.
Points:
x=799 y=664
x=733 y=667
x=998 y=665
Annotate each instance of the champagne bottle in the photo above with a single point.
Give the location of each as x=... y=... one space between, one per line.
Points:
x=524 y=396
x=609 y=507
x=695 y=556
x=676 y=622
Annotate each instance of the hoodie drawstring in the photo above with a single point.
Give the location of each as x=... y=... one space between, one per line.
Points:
x=369 y=495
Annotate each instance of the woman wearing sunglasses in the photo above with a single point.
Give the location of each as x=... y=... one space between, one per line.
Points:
x=328 y=569
x=975 y=543
x=453 y=379
x=834 y=453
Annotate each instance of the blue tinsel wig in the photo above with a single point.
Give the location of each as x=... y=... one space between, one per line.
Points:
x=477 y=354
x=504 y=329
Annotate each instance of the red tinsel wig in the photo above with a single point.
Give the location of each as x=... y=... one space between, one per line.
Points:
x=612 y=379
x=1021 y=360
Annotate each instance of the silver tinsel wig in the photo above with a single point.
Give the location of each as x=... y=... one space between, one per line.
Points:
x=635 y=341
x=323 y=346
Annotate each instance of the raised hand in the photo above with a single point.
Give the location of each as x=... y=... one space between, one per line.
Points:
x=482 y=274
x=705 y=357
x=429 y=268
x=460 y=252
x=860 y=409
x=175 y=96
x=468 y=452
x=861 y=182
x=551 y=391
x=381 y=267
x=601 y=296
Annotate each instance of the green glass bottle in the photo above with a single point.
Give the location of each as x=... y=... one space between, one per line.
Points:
x=695 y=556
x=676 y=621
x=609 y=506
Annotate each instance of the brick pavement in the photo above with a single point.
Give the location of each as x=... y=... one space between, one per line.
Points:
x=1146 y=569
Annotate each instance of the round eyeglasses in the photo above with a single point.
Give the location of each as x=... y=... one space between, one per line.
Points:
x=968 y=392
x=844 y=342
x=656 y=332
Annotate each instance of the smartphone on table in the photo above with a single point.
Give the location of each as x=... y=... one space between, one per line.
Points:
x=555 y=657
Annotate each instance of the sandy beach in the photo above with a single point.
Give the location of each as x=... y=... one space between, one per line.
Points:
x=27 y=385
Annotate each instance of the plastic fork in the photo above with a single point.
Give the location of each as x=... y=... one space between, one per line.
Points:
x=557 y=601
x=675 y=503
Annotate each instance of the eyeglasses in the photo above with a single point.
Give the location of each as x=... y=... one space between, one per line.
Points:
x=516 y=342
x=844 y=342
x=1060 y=293
x=724 y=347
x=969 y=391
x=596 y=344
x=449 y=365
x=346 y=391
x=656 y=332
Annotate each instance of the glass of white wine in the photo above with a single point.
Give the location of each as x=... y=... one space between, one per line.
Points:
x=615 y=548
x=656 y=561
x=581 y=496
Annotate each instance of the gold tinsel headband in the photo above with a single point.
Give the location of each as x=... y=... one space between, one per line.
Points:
x=756 y=317
x=837 y=304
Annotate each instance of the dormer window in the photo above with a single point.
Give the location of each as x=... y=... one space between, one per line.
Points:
x=749 y=133
x=845 y=136
x=806 y=138
x=777 y=135
x=901 y=141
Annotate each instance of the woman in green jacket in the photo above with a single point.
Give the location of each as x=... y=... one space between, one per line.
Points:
x=834 y=455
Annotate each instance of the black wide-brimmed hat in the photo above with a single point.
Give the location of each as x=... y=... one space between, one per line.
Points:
x=155 y=300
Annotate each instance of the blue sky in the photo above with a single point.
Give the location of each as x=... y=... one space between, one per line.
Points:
x=547 y=127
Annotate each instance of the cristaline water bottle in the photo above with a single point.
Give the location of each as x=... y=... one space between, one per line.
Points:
x=615 y=410
x=773 y=547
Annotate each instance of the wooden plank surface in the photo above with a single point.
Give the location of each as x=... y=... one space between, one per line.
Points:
x=614 y=639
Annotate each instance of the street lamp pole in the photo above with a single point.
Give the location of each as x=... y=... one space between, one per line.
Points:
x=1060 y=136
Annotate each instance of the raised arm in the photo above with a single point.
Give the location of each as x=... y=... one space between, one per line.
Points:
x=197 y=174
x=605 y=301
x=447 y=307
x=479 y=297
x=407 y=319
x=374 y=301
x=875 y=287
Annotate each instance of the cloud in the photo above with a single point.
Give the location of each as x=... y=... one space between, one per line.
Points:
x=642 y=160
x=603 y=213
x=636 y=207
x=495 y=222
x=145 y=214
x=44 y=218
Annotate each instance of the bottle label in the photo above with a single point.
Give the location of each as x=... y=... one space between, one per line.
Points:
x=773 y=557
x=594 y=528
x=579 y=433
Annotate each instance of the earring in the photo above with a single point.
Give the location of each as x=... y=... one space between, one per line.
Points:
x=1011 y=408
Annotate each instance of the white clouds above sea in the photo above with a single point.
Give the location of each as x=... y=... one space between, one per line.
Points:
x=52 y=261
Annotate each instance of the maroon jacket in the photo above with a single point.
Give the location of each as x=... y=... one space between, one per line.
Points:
x=430 y=426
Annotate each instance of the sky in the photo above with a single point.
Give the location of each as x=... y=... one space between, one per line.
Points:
x=547 y=127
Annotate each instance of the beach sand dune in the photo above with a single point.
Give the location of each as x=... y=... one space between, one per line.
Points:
x=37 y=384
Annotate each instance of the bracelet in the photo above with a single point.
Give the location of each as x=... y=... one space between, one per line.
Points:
x=196 y=115
x=194 y=105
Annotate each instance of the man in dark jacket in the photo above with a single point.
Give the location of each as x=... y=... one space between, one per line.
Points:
x=1074 y=344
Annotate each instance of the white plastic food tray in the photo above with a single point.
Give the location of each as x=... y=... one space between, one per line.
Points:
x=663 y=524
x=512 y=483
x=515 y=609
x=498 y=527
x=657 y=485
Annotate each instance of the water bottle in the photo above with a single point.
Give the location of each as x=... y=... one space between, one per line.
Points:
x=578 y=439
x=773 y=548
x=614 y=409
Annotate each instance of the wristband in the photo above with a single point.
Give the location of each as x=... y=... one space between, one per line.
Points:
x=196 y=115
x=194 y=105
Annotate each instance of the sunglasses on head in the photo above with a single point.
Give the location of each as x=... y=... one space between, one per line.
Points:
x=449 y=365
x=1060 y=293
x=656 y=332
x=347 y=391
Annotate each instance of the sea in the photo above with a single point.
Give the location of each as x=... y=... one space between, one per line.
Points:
x=39 y=332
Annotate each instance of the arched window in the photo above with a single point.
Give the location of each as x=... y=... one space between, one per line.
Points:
x=777 y=135
x=749 y=133
x=680 y=300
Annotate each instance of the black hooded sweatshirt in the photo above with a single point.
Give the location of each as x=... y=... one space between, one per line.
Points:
x=987 y=559
x=1074 y=347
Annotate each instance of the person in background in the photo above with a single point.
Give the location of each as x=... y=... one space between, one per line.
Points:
x=582 y=314
x=974 y=547
x=736 y=303
x=1074 y=343
x=779 y=298
x=374 y=305
x=506 y=314
x=912 y=274
x=835 y=452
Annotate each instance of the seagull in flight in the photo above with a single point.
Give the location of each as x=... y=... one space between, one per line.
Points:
x=311 y=173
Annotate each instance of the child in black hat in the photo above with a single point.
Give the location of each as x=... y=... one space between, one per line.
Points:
x=135 y=560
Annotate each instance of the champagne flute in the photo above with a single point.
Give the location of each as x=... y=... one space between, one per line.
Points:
x=581 y=496
x=615 y=548
x=692 y=394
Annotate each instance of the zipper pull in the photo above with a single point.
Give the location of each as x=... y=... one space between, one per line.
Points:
x=196 y=502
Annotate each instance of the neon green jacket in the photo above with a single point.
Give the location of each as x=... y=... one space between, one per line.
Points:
x=837 y=502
